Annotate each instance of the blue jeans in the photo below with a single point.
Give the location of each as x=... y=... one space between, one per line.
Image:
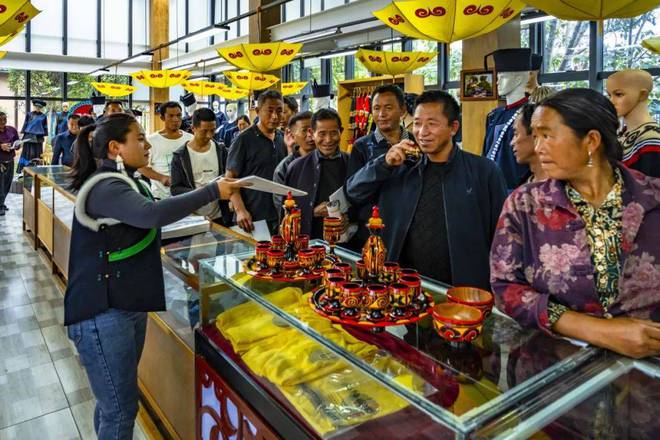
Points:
x=110 y=346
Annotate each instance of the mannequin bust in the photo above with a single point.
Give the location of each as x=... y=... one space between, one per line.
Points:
x=230 y=110
x=512 y=85
x=216 y=107
x=629 y=91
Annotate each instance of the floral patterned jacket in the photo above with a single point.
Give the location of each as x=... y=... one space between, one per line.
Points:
x=541 y=249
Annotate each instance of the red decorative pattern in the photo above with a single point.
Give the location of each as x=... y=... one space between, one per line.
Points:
x=235 y=55
x=375 y=59
x=438 y=11
x=3 y=9
x=286 y=52
x=404 y=59
x=481 y=10
x=258 y=52
x=397 y=19
x=22 y=17
x=507 y=12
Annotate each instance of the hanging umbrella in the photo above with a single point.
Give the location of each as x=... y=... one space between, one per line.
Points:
x=3 y=53
x=453 y=21
x=251 y=80
x=203 y=88
x=161 y=78
x=595 y=10
x=112 y=89
x=292 y=88
x=7 y=38
x=233 y=93
x=260 y=57
x=15 y=14
x=652 y=44
x=393 y=63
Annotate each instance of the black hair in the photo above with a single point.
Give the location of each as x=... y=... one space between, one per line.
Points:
x=113 y=127
x=583 y=110
x=291 y=102
x=113 y=102
x=326 y=114
x=299 y=117
x=73 y=116
x=162 y=109
x=84 y=121
x=245 y=118
x=390 y=88
x=3 y=114
x=268 y=94
x=450 y=107
x=202 y=115
x=526 y=112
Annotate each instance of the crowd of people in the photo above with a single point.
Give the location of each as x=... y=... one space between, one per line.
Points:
x=570 y=251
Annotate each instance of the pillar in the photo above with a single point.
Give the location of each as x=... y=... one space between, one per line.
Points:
x=159 y=33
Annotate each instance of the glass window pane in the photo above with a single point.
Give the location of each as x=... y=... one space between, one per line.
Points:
x=332 y=4
x=338 y=74
x=47 y=27
x=46 y=84
x=622 y=41
x=292 y=10
x=232 y=11
x=566 y=46
x=245 y=26
x=177 y=25
x=654 y=103
x=199 y=16
x=82 y=38
x=360 y=70
x=17 y=44
x=12 y=83
x=114 y=33
x=140 y=25
x=430 y=70
x=455 y=60
x=558 y=86
x=524 y=36
x=79 y=86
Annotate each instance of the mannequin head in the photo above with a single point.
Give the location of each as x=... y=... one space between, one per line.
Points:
x=216 y=106
x=230 y=111
x=629 y=91
x=512 y=85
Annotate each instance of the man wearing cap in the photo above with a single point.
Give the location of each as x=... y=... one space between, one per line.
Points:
x=35 y=128
x=62 y=119
x=513 y=67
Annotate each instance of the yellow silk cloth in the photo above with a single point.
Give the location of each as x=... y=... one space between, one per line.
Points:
x=327 y=391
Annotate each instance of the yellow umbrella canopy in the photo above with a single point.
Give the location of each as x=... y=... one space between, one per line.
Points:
x=652 y=44
x=7 y=38
x=447 y=21
x=233 y=93
x=203 y=88
x=112 y=89
x=393 y=63
x=292 y=88
x=3 y=53
x=593 y=9
x=15 y=14
x=251 y=80
x=260 y=57
x=161 y=78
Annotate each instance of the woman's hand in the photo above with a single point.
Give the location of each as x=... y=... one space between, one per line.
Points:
x=631 y=337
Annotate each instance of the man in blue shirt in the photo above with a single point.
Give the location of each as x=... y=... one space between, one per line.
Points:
x=63 y=142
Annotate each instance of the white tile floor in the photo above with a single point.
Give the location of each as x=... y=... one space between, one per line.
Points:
x=44 y=393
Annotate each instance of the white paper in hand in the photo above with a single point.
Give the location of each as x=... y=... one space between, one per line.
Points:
x=260 y=184
x=259 y=233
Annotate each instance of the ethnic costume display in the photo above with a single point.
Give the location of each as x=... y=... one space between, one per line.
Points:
x=641 y=148
x=35 y=129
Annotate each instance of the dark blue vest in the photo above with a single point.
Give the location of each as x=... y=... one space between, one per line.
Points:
x=95 y=284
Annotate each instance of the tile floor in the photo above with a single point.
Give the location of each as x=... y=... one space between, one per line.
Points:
x=44 y=393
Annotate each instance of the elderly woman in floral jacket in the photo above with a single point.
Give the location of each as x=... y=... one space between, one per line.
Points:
x=578 y=254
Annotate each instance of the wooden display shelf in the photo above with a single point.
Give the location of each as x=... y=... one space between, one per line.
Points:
x=411 y=84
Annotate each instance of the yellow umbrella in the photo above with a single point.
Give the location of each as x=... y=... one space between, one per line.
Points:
x=3 y=53
x=393 y=63
x=15 y=14
x=292 y=88
x=203 y=88
x=652 y=44
x=251 y=80
x=7 y=38
x=260 y=57
x=233 y=93
x=161 y=78
x=112 y=89
x=595 y=10
x=453 y=21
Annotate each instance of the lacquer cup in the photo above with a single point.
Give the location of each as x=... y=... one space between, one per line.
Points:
x=361 y=270
x=390 y=272
x=319 y=251
x=261 y=254
x=307 y=260
x=351 y=300
x=275 y=259
x=302 y=242
x=346 y=269
x=472 y=296
x=277 y=242
x=457 y=322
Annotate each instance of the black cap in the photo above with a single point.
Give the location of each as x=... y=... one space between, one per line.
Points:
x=136 y=112
x=511 y=60
x=537 y=61
x=39 y=103
x=320 y=90
x=188 y=99
x=98 y=100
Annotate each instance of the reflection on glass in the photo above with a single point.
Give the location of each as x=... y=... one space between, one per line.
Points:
x=566 y=45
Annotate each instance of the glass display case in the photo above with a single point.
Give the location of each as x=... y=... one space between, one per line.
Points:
x=324 y=380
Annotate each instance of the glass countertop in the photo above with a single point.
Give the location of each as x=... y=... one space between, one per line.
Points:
x=472 y=383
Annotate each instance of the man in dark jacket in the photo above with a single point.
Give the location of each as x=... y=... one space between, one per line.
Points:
x=63 y=143
x=320 y=173
x=440 y=213
x=198 y=162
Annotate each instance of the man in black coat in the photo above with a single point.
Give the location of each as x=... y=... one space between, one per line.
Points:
x=441 y=211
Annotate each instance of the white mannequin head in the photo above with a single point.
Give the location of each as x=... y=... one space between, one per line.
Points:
x=216 y=106
x=230 y=111
x=191 y=108
x=512 y=85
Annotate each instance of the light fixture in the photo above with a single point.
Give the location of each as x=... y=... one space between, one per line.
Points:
x=313 y=36
x=70 y=83
x=141 y=59
x=532 y=20
x=100 y=72
x=215 y=30
x=343 y=53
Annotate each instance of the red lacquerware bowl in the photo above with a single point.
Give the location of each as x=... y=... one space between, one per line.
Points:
x=472 y=296
x=457 y=322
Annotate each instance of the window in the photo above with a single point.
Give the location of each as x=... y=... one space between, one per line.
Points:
x=360 y=70
x=622 y=41
x=17 y=44
x=79 y=86
x=430 y=70
x=15 y=86
x=328 y=4
x=524 y=36
x=82 y=39
x=140 y=22
x=455 y=60
x=245 y=22
x=292 y=10
x=46 y=84
x=177 y=25
x=47 y=27
x=115 y=29
x=558 y=86
x=566 y=46
x=199 y=15
x=338 y=74
x=232 y=11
